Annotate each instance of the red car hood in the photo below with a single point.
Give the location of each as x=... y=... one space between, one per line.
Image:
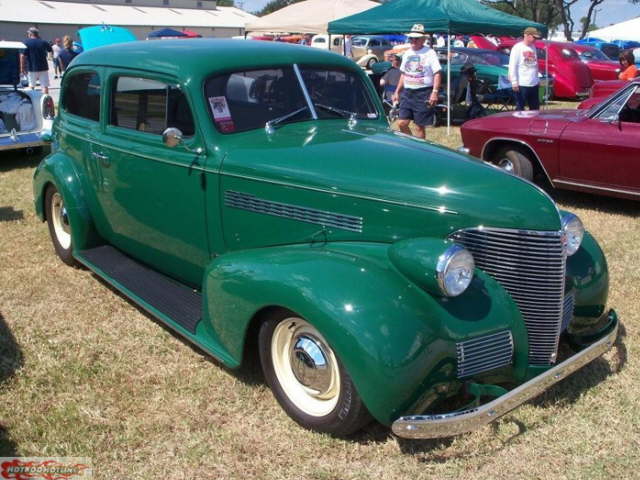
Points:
x=548 y=123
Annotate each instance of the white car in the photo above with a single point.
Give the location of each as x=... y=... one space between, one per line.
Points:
x=322 y=41
x=25 y=115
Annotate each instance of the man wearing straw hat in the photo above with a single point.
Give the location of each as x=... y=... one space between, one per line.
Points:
x=419 y=84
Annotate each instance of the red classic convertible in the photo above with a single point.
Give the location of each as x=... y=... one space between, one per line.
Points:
x=594 y=150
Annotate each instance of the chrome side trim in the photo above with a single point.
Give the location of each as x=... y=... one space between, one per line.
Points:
x=335 y=193
x=245 y=201
x=595 y=187
x=139 y=155
x=455 y=423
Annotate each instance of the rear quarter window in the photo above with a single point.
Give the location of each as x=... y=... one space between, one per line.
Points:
x=81 y=95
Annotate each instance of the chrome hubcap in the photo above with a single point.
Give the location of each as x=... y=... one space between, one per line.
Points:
x=310 y=364
x=506 y=164
x=305 y=366
x=60 y=221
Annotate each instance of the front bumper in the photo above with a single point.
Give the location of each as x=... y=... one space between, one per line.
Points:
x=455 y=423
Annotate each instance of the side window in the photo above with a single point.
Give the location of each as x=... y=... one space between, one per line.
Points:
x=82 y=95
x=631 y=111
x=149 y=106
x=374 y=43
x=541 y=53
x=611 y=112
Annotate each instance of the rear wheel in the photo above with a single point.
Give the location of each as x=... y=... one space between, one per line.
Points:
x=514 y=161
x=58 y=223
x=307 y=378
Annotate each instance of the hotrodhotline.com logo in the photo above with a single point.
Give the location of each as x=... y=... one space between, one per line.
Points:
x=45 y=468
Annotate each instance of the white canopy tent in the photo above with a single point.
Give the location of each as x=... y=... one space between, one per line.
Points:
x=627 y=30
x=311 y=16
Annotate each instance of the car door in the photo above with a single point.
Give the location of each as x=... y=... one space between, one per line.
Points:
x=151 y=195
x=603 y=151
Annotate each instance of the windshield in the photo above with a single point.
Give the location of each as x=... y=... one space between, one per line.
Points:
x=490 y=58
x=247 y=100
x=592 y=54
x=359 y=42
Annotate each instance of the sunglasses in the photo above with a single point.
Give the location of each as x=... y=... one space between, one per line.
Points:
x=411 y=39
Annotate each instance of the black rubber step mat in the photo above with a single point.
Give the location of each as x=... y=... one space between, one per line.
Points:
x=178 y=302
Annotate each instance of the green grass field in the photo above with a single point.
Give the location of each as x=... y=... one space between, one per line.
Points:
x=83 y=372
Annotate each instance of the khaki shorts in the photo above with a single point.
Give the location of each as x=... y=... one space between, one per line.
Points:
x=42 y=76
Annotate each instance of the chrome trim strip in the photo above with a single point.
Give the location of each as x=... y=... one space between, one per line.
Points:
x=245 y=201
x=337 y=193
x=595 y=187
x=455 y=423
x=18 y=145
x=139 y=155
x=305 y=92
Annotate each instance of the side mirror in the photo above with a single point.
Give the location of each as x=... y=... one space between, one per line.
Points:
x=172 y=137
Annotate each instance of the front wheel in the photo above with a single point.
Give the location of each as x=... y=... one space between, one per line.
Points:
x=371 y=62
x=307 y=378
x=514 y=161
x=58 y=223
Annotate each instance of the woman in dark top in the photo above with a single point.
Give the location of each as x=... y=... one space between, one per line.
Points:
x=66 y=54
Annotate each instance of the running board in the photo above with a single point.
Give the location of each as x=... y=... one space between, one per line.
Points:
x=145 y=286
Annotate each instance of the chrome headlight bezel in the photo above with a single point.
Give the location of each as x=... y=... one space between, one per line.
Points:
x=454 y=270
x=572 y=232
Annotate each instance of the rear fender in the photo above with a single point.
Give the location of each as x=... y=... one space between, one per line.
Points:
x=396 y=341
x=57 y=169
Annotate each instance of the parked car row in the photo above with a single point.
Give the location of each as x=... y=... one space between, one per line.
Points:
x=378 y=276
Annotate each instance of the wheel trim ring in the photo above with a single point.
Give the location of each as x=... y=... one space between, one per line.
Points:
x=304 y=398
x=60 y=221
x=506 y=165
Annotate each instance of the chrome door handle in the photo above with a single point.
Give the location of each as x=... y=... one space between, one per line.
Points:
x=104 y=159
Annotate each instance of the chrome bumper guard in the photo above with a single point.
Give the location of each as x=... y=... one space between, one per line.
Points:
x=455 y=423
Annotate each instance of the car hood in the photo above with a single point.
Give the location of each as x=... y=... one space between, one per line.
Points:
x=369 y=165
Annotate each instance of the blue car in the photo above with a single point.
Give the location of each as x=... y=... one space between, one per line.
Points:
x=611 y=50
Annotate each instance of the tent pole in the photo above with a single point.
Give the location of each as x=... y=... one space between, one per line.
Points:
x=546 y=72
x=448 y=82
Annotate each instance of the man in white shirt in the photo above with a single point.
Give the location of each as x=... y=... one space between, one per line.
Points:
x=523 y=70
x=419 y=84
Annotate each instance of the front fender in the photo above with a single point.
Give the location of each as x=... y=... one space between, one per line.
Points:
x=588 y=277
x=58 y=169
x=396 y=341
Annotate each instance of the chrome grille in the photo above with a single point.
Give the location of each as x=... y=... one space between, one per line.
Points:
x=484 y=353
x=255 y=204
x=530 y=265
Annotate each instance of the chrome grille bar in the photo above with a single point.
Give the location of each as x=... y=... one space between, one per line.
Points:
x=484 y=353
x=530 y=265
x=254 y=204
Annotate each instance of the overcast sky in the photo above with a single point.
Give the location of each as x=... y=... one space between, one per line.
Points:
x=611 y=11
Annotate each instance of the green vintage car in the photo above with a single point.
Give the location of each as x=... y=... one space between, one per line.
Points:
x=251 y=195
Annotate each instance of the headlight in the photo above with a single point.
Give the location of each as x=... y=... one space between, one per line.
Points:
x=455 y=270
x=573 y=232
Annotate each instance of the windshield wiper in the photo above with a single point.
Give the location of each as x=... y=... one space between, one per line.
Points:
x=339 y=111
x=270 y=125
